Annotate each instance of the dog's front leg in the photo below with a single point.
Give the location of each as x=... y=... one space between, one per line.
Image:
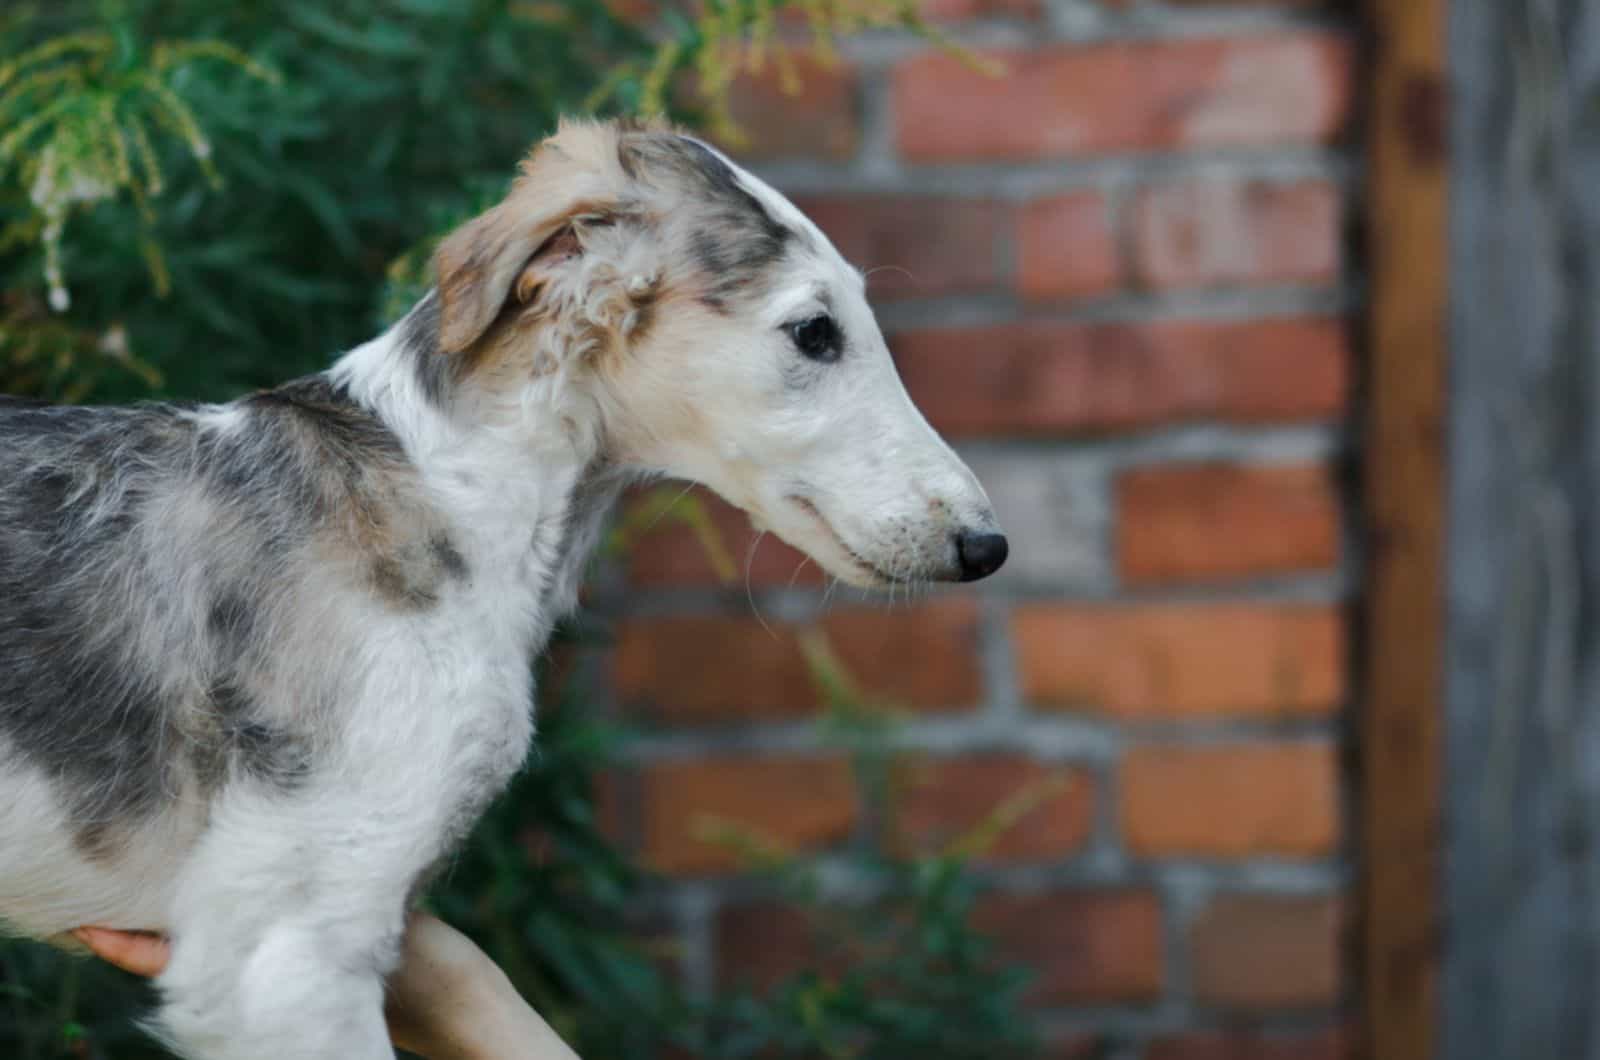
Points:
x=283 y=932
x=295 y=994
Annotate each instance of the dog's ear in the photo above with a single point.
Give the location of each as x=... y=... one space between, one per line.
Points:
x=500 y=255
x=569 y=180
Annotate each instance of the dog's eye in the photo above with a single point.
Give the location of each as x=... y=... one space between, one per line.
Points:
x=817 y=337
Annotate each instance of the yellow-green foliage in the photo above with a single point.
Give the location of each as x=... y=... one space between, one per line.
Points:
x=79 y=111
x=42 y=353
x=733 y=36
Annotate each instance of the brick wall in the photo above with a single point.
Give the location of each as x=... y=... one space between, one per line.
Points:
x=1125 y=298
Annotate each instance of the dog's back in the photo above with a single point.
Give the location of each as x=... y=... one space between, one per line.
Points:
x=82 y=718
x=144 y=552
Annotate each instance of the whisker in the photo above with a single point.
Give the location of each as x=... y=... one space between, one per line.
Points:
x=749 y=594
x=750 y=558
x=884 y=268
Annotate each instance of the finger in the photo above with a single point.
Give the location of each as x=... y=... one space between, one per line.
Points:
x=132 y=951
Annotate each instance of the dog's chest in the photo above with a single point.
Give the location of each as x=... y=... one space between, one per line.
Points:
x=484 y=644
x=459 y=724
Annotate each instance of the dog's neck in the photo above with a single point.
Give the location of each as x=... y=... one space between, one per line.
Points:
x=524 y=476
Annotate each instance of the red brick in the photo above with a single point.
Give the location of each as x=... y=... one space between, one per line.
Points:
x=688 y=669
x=1052 y=378
x=1290 y=88
x=925 y=657
x=1214 y=233
x=670 y=553
x=1066 y=248
x=960 y=10
x=1231 y=801
x=701 y=669
x=1330 y=1044
x=1082 y=946
x=1183 y=660
x=760 y=944
x=919 y=246
x=940 y=800
x=1261 y=952
x=1211 y=522
x=804 y=803
x=822 y=120
x=1076 y=1047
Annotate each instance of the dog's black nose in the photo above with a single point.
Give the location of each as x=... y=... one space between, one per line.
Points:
x=981 y=553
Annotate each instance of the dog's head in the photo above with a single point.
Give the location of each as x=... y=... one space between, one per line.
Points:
x=720 y=338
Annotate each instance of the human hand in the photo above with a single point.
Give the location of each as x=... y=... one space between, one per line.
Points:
x=447 y=1000
x=139 y=952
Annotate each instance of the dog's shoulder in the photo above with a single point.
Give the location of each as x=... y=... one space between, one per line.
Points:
x=320 y=413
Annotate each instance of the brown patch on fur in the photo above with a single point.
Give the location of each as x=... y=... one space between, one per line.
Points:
x=605 y=319
x=576 y=172
x=636 y=199
x=408 y=557
x=364 y=497
x=411 y=557
x=99 y=841
x=678 y=325
x=400 y=587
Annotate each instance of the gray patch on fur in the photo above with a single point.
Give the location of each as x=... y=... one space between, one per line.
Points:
x=448 y=557
x=231 y=622
x=75 y=483
x=735 y=240
x=240 y=744
x=115 y=684
x=438 y=374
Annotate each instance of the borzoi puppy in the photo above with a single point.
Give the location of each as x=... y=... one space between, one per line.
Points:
x=263 y=663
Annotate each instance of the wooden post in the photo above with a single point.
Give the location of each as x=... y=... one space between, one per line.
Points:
x=1401 y=732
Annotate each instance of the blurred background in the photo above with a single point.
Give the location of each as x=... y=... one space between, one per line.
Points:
x=1098 y=806
x=1119 y=278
